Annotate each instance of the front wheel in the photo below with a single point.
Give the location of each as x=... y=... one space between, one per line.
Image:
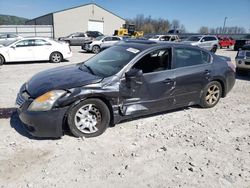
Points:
x=56 y=57
x=96 y=49
x=89 y=118
x=214 y=49
x=211 y=95
x=1 y=60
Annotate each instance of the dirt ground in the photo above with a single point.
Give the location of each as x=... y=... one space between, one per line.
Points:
x=190 y=147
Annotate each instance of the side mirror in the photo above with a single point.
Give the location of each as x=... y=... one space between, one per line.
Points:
x=202 y=40
x=13 y=47
x=133 y=73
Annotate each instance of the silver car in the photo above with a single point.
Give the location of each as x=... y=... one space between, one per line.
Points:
x=101 y=42
x=208 y=42
x=6 y=38
x=243 y=62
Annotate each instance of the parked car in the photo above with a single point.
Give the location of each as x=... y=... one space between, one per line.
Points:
x=169 y=38
x=126 y=80
x=100 y=42
x=76 y=39
x=5 y=38
x=34 y=49
x=226 y=41
x=208 y=42
x=242 y=60
x=94 y=34
x=241 y=42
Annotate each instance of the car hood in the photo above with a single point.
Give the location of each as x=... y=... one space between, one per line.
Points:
x=65 y=77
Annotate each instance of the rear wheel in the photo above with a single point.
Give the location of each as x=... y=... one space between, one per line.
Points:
x=56 y=57
x=96 y=49
x=89 y=118
x=211 y=95
x=214 y=49
x=2 y=60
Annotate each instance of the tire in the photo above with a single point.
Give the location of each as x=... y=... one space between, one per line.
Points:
x=96 y=49
x=211 y=95
x=89 y=118
x=214 y=49
x=56 y=57
x=2 y=60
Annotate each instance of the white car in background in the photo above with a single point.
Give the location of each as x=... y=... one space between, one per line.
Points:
x=5 y=38
x=169 y=38
x=34 y=49
x=101 y=42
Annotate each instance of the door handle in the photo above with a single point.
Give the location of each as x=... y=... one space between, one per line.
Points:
x=168 y=81
x=207 y=72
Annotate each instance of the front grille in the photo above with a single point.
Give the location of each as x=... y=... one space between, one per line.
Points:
x=247 y=63
x=21 y=98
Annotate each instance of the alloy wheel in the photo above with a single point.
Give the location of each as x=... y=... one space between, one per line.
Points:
x=87 y=118
x=213 y=94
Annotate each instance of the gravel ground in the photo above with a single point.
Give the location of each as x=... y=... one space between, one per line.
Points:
x=190 y=147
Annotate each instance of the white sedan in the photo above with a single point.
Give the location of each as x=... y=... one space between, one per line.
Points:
x=34 y=49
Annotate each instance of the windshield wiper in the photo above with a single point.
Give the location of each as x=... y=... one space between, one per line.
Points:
x=89 y=68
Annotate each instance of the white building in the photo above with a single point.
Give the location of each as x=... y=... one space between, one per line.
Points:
x=89 y=17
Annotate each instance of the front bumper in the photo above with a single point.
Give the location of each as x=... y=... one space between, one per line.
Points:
x=43 y=124
x=243 y=64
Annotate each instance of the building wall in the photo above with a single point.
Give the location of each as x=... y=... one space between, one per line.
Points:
x=43 y=20
x=76 y=20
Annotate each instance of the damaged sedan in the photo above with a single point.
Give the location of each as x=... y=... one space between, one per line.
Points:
x=128 y=80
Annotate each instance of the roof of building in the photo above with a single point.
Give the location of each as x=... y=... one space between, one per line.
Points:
x=77 y=7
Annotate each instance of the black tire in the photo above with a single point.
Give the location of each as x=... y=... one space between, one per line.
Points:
x=96 y=49
x=241 y=72
x=211 y=95
x=56 y=57
x=214 y=49
x=2 y=60
x=89 y=111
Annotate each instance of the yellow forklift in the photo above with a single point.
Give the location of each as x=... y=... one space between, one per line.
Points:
x=128 y=30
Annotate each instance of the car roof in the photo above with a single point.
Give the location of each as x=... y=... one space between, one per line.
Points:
x=146 y=44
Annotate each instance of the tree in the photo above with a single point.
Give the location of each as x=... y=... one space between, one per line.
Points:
x=203 y=30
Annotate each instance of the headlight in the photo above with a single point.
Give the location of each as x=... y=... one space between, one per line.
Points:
x=46 y=101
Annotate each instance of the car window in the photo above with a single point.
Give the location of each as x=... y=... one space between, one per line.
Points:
x=184 y=57
x=155 y=61
x=205 y=39
x=108 y=39
x=40 y=42
x=115 y=38
x=110 y=61
x=26 y=43
x=247 y=54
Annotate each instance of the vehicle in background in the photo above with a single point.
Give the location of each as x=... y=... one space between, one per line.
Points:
x=208 y=42
x=242 y=60
x=169 y=38
x=5 y=38
x=34 y=49
x=241 y=42
x=127 y=80
x=226 y=41
x=94 y=34
x=102 y=41
x=76 y=39
x=128 y=30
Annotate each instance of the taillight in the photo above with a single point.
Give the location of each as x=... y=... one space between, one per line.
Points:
x=69 y=49
x=231 y=65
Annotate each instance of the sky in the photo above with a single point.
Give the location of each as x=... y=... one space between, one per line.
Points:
x=192 y=13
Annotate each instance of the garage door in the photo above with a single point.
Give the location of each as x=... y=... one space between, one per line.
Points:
x=95 y=26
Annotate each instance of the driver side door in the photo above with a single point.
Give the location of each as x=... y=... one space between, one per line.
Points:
x=148 y=86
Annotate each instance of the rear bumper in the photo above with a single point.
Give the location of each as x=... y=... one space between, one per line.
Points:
x=43 y=124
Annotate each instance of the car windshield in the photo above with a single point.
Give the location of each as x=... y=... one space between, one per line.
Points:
x=99 y=38
x=110 y=61
x=9 y=43
x=194 y=38
x=155 y=37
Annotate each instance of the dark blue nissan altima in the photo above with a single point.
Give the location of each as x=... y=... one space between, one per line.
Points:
x=128 y=80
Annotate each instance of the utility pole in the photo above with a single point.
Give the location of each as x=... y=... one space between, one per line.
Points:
x=225 y=19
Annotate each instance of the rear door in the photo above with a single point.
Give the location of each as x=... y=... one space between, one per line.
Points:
x=192 y=71
x=42 y=49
